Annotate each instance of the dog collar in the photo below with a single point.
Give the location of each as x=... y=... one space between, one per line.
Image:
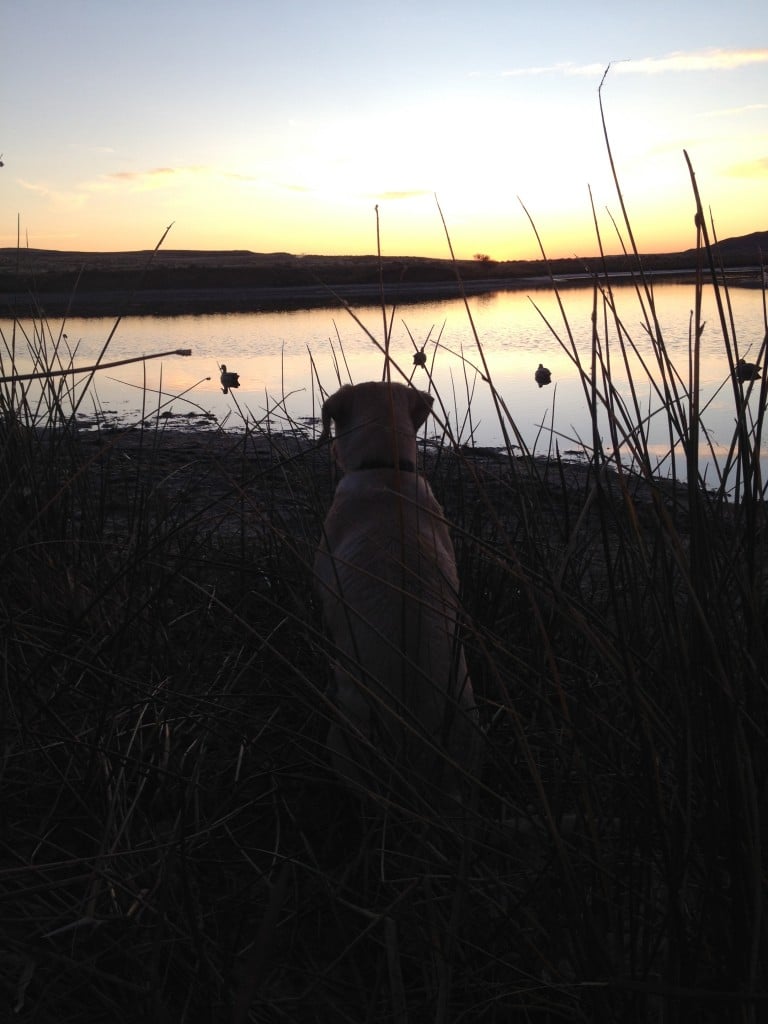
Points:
x=404 y=464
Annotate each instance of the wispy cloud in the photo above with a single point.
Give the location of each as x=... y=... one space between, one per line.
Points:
x=91 y=149
x=36 y=186
x=549 y=69
x=156 y=177
x=137 y=181
x=45 y=191
x=319 y=188
x=748 y=108
x=703 y=60
x=157 y=172
x=236 y=176
x=757 y=168
x=415 y=193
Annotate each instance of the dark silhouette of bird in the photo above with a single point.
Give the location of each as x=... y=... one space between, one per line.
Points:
x=543 y=376
x=747 y=371
x=228 y=379
x=1 y=160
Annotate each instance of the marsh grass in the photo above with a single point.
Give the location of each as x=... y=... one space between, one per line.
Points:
x=174 y=846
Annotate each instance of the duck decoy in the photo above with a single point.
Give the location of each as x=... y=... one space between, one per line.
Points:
x=228 y=379
x=543 y=376
x=747 y=371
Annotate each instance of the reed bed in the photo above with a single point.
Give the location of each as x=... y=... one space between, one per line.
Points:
x=174 y=845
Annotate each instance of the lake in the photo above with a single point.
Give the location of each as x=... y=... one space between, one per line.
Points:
x=286 y=360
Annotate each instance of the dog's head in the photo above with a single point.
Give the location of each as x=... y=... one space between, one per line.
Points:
x=376 y=424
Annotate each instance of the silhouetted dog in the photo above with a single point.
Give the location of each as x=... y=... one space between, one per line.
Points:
x=386 y=573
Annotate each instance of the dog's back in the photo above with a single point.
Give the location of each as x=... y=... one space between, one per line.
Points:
x=387 y=577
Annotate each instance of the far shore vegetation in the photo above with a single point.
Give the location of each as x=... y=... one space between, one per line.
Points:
x=177 y=281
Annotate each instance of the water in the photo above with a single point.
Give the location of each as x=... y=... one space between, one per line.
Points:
x=286 y=359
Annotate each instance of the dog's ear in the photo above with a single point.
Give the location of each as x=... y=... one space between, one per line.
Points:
x=420 y=404
x=334 y=408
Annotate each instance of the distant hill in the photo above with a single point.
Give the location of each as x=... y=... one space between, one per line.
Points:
x=749 y=248
x=178 y=281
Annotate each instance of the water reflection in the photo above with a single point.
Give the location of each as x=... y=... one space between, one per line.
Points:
x=286 y=362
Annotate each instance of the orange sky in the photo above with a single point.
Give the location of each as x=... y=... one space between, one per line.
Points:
x=269 y=128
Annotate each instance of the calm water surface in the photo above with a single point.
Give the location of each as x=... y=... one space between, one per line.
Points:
x=285 y=361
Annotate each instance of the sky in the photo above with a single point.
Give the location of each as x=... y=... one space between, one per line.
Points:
x=343 y=126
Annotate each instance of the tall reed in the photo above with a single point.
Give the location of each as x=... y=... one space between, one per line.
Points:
x=174 y=844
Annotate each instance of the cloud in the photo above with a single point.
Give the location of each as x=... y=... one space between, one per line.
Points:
x=34 y=186
x=552 y=69
x=415 y=193
x=706 y=60
x=703 y=60
x=748 y=108
x=78 y=147
x=40 y=188
x=236 y=176
x=141 y=175
x=156 y=177
x=350 y=191
x=757 y=168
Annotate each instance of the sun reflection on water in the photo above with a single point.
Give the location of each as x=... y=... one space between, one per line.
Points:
x=287 y=361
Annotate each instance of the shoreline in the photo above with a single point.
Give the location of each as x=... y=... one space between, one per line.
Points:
x=222 y=299
x=168 y=443
x=188 y=301
x=243 y=484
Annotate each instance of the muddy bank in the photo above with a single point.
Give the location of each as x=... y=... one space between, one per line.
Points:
x=253 y=484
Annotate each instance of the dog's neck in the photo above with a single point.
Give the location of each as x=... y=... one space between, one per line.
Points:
x=405 y=465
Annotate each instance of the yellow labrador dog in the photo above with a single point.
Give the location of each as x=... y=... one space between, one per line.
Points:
x=386 y=573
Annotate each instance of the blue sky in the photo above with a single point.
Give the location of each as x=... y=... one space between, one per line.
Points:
x=281 y=126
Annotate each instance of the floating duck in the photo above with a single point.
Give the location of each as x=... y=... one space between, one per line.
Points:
x=228 y=379
x=543 y=376
x=747 y=371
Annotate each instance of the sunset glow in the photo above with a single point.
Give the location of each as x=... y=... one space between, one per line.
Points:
x=282 y=127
